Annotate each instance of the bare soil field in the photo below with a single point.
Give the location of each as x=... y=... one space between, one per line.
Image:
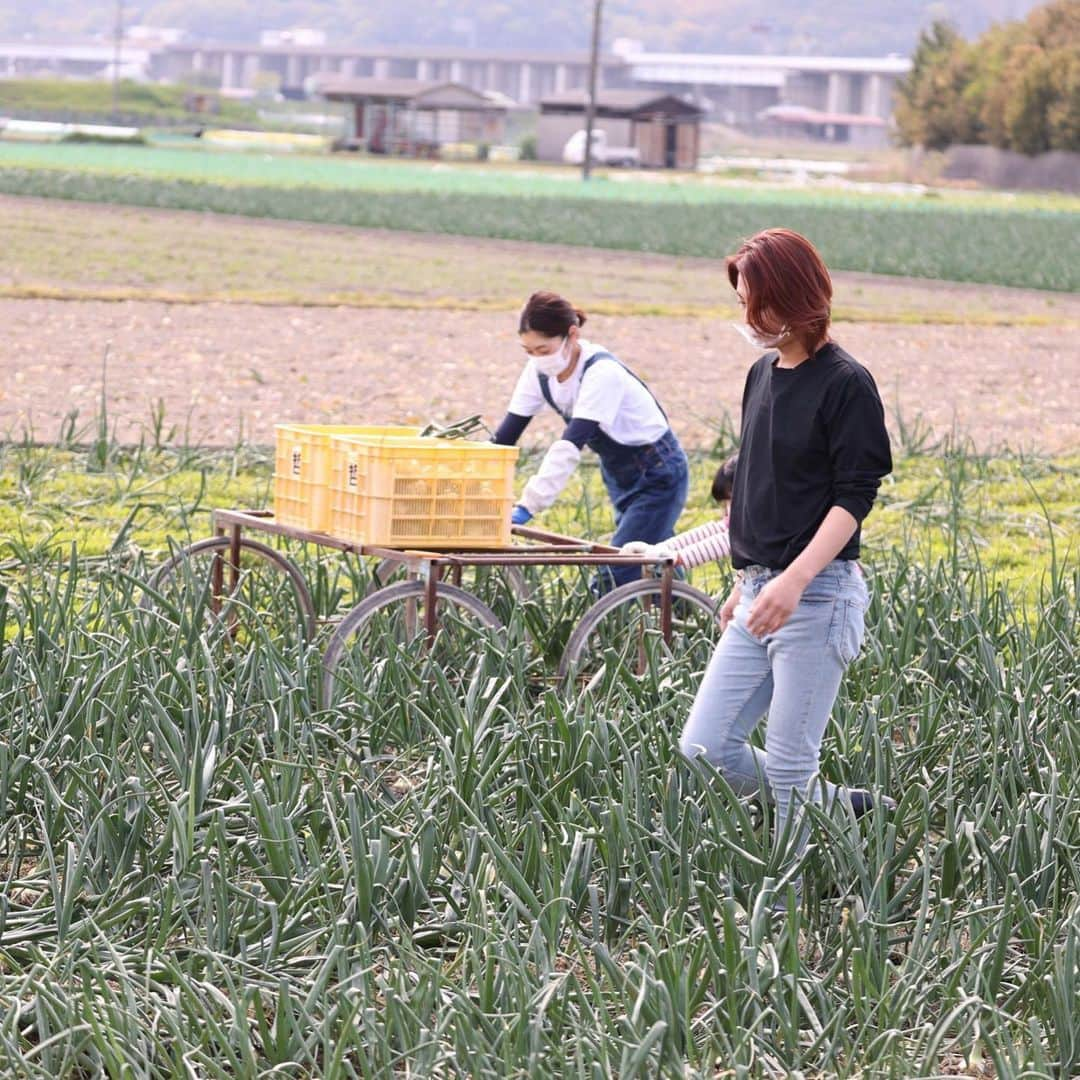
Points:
x=229 y=370
x=232 y=326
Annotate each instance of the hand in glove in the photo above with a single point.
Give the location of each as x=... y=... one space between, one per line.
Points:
x=520 y=516
x=648 y=551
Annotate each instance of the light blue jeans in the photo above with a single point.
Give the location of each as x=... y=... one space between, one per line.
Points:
x=793 y=677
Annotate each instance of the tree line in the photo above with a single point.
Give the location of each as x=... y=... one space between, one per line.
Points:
x=1016 y=87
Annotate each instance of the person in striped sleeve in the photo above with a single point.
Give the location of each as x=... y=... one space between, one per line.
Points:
x=710 y=542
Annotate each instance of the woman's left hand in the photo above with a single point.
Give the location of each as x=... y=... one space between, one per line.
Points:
x=774 y=605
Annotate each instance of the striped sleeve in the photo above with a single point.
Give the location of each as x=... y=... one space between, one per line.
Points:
x=707 y=543
x=693 y=536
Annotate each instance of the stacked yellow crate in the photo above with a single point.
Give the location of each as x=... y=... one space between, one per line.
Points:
x=421 y=493
x=387 y=486
x=302 y=470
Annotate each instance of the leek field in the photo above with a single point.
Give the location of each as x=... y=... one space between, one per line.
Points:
x=1029 y=240
x=483 y=871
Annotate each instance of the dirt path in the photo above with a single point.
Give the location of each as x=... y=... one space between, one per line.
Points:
x=223 y=369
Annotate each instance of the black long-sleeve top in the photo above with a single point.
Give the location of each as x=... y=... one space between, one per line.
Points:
x=813 y=437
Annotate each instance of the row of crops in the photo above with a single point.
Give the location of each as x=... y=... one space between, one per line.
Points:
x=977 y=240
x=480 y=870
x=389 y=174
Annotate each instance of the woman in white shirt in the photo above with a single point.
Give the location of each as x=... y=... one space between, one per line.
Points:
x=607 y=408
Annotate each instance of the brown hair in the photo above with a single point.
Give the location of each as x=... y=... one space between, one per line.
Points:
x=549 y=314
x=787 y=285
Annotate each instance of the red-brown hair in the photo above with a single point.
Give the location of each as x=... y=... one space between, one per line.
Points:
x=549 y=314
x=787 y=285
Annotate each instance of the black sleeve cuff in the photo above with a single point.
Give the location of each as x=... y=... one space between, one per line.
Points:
x=857 y=505
x=509 y=431
x=579 y=432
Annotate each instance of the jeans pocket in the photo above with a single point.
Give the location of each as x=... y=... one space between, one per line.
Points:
x=847 y=629
x=654 y=469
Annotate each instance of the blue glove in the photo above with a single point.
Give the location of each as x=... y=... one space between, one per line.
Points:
x=520 y=516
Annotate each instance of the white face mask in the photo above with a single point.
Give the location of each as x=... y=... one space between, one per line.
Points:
x=761 y=341
x=554 y=363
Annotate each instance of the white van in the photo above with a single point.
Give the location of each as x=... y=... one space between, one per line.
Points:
x=602 y=154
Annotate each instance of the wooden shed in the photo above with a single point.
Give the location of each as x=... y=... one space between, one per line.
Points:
x=665 y=129
x=413 y=118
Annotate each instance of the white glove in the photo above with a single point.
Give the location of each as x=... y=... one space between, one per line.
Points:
x=646 y=551
x=557 y=467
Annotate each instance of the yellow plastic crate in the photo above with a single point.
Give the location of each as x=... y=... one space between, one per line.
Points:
x=302 y=470
x=421 y=493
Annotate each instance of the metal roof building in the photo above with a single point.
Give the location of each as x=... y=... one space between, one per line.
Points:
x=664 y=129
x=412 y=118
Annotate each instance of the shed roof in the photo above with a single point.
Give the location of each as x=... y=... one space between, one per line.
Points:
x=621 y=102
x=419 y=94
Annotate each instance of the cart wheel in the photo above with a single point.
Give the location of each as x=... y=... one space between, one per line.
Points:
x=623 y=628
x=198 y=589
x=390 y=626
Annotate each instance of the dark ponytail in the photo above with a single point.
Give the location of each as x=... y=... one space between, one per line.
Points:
x=549 y=314
x=724 y=480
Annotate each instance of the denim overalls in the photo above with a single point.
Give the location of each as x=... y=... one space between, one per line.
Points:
x=647 y=484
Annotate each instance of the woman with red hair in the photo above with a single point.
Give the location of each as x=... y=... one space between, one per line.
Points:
x=813 y=451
